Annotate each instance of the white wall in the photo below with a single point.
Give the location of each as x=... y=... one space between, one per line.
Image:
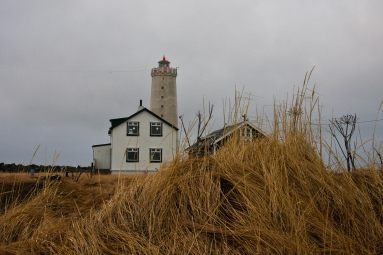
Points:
x=120 y=141
x=101 y=156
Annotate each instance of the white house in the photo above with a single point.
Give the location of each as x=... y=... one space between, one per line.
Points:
x=139 y=143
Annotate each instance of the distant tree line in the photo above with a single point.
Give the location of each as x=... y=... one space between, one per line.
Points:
x=16 y=168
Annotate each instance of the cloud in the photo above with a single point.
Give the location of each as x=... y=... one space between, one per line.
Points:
x=67 y=68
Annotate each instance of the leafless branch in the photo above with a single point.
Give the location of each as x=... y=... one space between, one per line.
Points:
x=346 y=127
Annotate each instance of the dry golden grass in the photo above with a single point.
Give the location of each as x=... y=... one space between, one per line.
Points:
x=272 y=196
x=268 y=197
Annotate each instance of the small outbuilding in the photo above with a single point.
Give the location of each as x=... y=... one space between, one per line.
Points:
x=101 y=158
x=245 y=132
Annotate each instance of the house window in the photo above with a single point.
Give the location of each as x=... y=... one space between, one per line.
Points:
x=162 y=106
x=155 y=155
x=155 y=128
x=132 y=154
x=162 y=97
x=162 y=87
x=133 y=128
x=246 y=132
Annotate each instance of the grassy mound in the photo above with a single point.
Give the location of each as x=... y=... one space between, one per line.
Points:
x=267 y=197
x=271 y=196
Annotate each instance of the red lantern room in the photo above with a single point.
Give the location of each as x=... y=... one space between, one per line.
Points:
x=164 y=62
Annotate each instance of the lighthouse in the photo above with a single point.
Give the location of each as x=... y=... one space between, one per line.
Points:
x=163 y=100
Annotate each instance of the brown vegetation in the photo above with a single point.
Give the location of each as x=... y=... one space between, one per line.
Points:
x=266 y=197
x=272 y=196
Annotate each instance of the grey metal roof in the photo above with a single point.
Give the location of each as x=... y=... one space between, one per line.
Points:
x=223 y=132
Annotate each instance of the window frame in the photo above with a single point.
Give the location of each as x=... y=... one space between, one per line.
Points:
x=151 y=153
x=155 y=124
x=131 y=123
x=137 y=151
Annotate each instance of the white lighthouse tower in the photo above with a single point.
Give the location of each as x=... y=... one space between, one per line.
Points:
x=163 y=100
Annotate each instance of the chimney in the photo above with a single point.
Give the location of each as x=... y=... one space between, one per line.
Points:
x=140 y=107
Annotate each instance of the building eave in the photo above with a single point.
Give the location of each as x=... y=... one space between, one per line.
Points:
x=119 y=121
x=100 y=145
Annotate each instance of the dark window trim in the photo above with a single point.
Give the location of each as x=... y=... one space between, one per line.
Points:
x=127 y=128
x=133 y=160
x=161 y=127
x=151 y=158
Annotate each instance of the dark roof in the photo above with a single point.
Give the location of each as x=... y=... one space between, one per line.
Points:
x=116 y=122
x=99 y=145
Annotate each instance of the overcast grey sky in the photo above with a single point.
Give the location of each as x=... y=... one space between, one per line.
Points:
x=67 y=67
